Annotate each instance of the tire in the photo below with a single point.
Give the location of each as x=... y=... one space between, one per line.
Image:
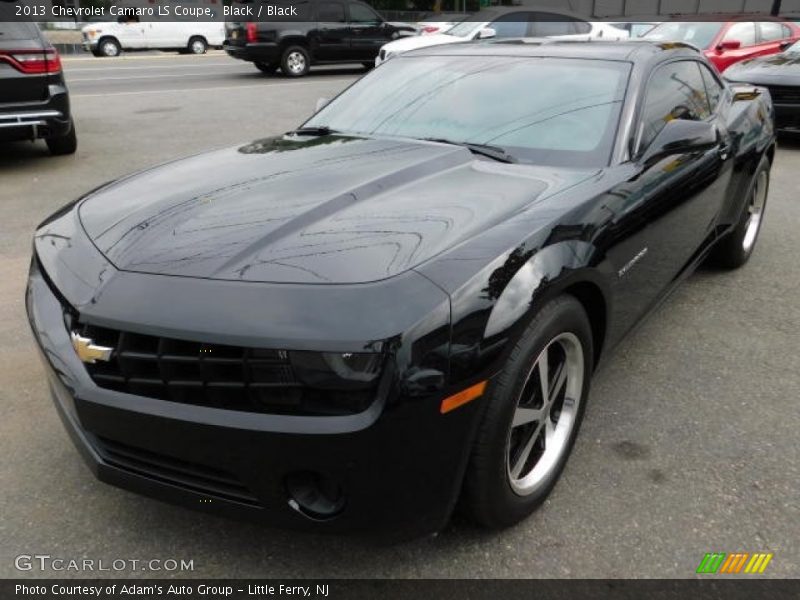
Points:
x=197 y=45
x=736 y=248
x=65 y=144
x=295 y=61
x=500 y=489
x=266 y=68
x=108 y=47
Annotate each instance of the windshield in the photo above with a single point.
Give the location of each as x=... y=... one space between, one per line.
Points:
x=464 y=29
x=548 y=111
x=698 y=34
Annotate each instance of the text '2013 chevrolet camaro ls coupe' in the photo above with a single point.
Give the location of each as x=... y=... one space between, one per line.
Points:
x=397 y=307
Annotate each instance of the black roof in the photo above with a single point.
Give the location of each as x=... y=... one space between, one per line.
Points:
x=631 y=51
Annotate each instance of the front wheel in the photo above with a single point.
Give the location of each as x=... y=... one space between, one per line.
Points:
x=295 y=61
x=108 y=47
x=197 y=45
x=532 y=417
x=735 y=249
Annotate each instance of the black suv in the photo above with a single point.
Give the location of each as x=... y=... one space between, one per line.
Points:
x=320 y=31
x=34 y=103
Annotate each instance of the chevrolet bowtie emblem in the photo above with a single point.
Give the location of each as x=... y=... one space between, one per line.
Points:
x=88 y=352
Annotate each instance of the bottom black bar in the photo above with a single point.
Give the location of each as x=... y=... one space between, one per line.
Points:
x=385 y=589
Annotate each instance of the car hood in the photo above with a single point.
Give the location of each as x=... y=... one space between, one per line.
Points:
x=421 y=41
x=778 y=69
x=332 y=209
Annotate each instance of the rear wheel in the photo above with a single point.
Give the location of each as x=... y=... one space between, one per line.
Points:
x=267 y=68
x=108 y=47
x=198 y=45
x=65 y=144
x=735 y=249
x=295 y=61
x=532 y=417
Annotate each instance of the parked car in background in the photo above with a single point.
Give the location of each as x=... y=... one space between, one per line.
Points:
x=510 y=22
x=323 y=32
x=399 y=306
x=439 y=23
x=726 y=43
x=635 y=28
x=110 y=38
x=34 y=101
x=780 y=74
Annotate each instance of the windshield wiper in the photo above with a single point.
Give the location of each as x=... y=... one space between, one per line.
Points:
x=318 y=131
x=493 y=152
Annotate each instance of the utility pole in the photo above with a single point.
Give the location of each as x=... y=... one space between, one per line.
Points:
x=776 y=8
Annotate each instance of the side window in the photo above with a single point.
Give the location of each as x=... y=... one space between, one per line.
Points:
x=675 y=91
x=330 y=12
x=713 y=87
x=771 y=31
x=787 y=32
x=743 y=32
x=362 y=14
x=544 y=24
x=511 y=25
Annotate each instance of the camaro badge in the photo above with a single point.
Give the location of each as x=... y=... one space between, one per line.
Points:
x=88 y=352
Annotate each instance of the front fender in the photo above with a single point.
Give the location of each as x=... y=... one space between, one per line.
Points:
x=544 y=267
x=511 y=290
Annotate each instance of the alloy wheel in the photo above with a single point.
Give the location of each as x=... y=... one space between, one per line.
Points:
x=546 y=414
x=755 y=209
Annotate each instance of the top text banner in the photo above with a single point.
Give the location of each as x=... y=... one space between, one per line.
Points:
x=137 y=11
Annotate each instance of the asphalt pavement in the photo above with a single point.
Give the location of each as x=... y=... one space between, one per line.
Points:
x=690 y=443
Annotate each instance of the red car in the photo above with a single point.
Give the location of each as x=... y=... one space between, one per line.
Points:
x=726 y=43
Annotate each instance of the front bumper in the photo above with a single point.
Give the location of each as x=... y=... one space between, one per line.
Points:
x=399 y=468
x=787 y=118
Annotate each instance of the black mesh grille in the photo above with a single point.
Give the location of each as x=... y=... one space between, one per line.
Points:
x=785 y=94
x=214 y=375
x=191 y=476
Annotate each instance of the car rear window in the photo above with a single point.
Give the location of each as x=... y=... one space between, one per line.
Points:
x=12 y=31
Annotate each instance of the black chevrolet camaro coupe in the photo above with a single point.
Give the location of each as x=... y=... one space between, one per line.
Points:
x=398 y=307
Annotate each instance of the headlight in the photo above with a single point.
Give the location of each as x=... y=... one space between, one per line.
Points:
x=336 y=383
x=337 y=371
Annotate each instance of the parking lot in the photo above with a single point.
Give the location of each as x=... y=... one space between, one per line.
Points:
x=690 y=439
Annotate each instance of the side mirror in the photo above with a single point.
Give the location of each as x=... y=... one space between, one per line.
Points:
x=729 y=45
x=785 y=44
x=321 y=103
x=486 y=33
x=679 y=136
